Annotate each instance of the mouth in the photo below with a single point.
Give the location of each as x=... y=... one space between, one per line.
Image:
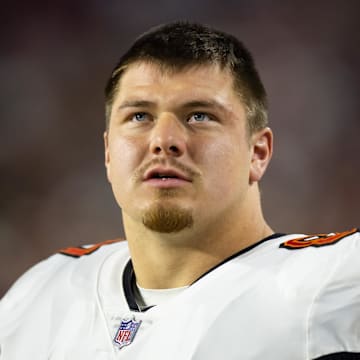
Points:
x=163 y=177
x=166 y=177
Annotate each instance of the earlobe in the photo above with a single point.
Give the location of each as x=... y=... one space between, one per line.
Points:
x=107 y=155
x=262 y=148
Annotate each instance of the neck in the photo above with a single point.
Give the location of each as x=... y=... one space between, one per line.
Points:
x=178 y=259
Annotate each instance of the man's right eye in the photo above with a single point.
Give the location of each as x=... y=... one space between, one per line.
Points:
x=139 y=117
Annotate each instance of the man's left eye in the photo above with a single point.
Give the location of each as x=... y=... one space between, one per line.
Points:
x=199 y=117
x=139 y=117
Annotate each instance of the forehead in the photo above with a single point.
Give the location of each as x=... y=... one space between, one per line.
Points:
x=163 y=81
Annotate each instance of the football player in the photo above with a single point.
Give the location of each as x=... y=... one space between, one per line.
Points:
x=201 y=274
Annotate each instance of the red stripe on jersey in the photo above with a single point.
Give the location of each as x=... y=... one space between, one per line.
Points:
x=316 y=240
x=80 y=250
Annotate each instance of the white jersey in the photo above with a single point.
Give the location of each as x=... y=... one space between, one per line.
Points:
x=288 y=297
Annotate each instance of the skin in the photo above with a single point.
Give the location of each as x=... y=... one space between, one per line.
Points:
x=194 y=122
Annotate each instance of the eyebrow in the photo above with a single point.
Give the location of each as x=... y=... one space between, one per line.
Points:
x=187 y=105
x=136 y=103
x=204 y=104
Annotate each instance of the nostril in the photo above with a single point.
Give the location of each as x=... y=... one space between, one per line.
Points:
x=173 y=148
x=157 y=149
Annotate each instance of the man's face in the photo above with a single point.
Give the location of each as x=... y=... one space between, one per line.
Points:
x=177 y=150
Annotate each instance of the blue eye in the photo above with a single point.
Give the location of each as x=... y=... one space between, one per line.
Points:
x=139 y=117
x=199 y=117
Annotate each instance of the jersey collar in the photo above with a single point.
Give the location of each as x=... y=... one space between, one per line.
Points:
x=129 y=279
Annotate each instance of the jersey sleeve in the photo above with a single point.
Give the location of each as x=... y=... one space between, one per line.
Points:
x=334 y=320
x=28 y=287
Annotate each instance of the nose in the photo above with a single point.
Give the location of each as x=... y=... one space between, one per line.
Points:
x=168 y=136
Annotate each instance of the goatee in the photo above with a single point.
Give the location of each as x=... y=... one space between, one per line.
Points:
x=167 y=219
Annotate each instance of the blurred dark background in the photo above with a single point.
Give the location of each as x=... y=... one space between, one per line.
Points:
x=55 y=58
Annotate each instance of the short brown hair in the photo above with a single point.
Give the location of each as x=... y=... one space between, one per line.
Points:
x=182 y=44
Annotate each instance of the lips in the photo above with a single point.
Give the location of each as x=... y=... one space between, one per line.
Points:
x=161 y=173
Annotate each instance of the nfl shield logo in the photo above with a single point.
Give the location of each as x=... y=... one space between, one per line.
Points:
x=126 y=332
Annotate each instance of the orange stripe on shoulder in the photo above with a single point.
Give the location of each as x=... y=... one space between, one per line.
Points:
x=79 y=251
x=316 y=240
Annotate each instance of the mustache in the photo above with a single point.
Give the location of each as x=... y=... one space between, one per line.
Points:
x=138 y=175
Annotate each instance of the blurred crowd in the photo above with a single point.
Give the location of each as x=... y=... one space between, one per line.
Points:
x=55 y=58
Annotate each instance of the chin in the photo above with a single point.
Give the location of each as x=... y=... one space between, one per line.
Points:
x=167 y=219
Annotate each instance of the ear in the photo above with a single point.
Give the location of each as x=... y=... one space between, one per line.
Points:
x=262 y=147
x=107 y=155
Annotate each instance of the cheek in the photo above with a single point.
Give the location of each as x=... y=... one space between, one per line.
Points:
x=124 y=155
x=225 y=164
